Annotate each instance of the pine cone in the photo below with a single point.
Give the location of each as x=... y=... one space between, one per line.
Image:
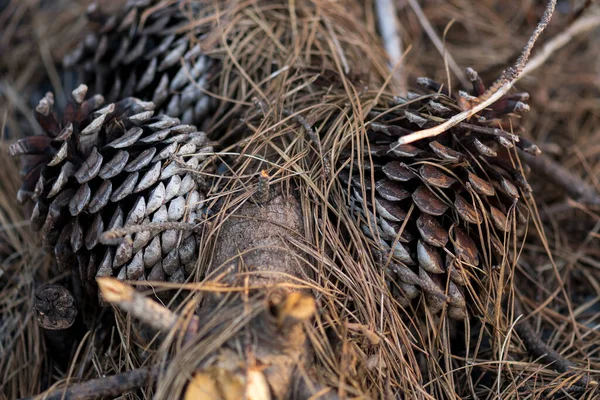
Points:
x=111 y=167
x=138 y=53
x=444 y=207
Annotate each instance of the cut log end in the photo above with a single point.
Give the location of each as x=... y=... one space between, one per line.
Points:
x=54 y=307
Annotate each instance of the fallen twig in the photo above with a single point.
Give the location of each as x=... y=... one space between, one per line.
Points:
x=437 y=42
x=540 y=350
x=145 y=309
x=312 y=135
x=388 y=29
x=109 y=386
x=111 y=237
x=502 y=84
x=56 y=312
x=559 y=175
x=582 y=25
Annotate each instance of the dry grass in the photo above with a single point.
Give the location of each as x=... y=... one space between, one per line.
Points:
x=364 y=343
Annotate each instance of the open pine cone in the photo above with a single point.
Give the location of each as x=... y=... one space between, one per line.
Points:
x=104 y=168
x=138 y=52
x=444 y=207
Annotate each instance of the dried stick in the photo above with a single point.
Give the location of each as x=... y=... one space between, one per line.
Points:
x=313 y=137
x=582 y=25
x=437 y=41
x=150 y=313
x=571 y=183
x=499 y=88
x=110 y=386
x=146 y=310
x=540 y=350
x=388 y=29
x=112 y=236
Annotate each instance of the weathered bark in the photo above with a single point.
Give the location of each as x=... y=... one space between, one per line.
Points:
x=254 y=250
x=255 y=237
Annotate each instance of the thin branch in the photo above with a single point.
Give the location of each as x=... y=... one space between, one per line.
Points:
x=388 y=29
x=146 y=310
x=111 y=237
x=540 y=350
x=513 y=74
x=582 y=25
x=437 y=42
x=312 y=135
x=559 y=175
x=506 y=80
x=110 y=386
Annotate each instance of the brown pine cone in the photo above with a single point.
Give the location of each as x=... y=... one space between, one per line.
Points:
x=139 y=53
x=99 y=169
x=445 y=207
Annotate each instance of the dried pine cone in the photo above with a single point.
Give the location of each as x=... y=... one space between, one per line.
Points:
x=445 y=206
x=138 y=53
x=111 y=167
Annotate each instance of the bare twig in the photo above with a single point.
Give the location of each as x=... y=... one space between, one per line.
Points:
x=109 y=386
x=110 y=237
x=437 y=42
x=540 y=350
x=146 y=310
x=313 y=137
x=499 y=88
x=582 y=25
x=262 y=189
x=511 y=75
x=388 y=29
x=556 y=173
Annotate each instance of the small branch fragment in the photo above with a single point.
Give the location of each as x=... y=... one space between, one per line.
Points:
x=312 y=135
x=215 y=383
x=55 y=308
x=313 y=138
x=146 y=310
x=113 y=236
x=296 y=307
x=262 y=189
x=580 y=26
x=556 y=173
x=111 y=386
x=388 y=29
x=414 y=4
x=495 y=92
x=511 y=75
x=540 y=350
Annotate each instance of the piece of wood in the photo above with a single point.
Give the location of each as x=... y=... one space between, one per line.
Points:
x=56 y=312
x=109 y=386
